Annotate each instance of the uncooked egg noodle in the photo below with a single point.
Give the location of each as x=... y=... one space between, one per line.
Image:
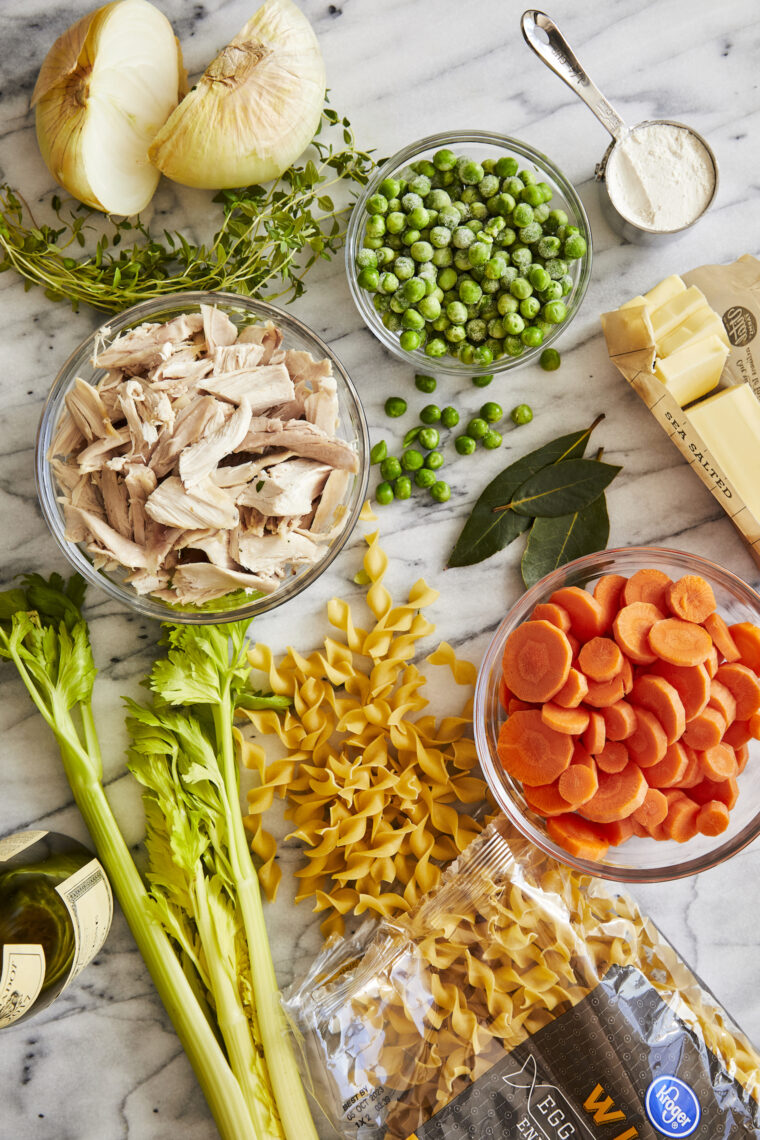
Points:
x=520 y=999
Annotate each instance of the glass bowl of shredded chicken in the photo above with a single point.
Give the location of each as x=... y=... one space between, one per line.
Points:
x=202 y=457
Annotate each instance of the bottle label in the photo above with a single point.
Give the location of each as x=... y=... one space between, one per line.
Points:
x=88 y=899
x=19 y=841
x=21 y=976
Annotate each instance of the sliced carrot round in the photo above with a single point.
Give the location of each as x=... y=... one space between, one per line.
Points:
x=653 y=810
x=618 y=831
x=718 y=763
x=572 y=721
x=692 y=685
x=722 y=639
x=705 y=730
x=618 y=795
x=627 y=675
x=613 y=757
x=754 y=725
x=595 y=734
x=727 y=791
x=742 y=756
x=536 y=661
x=648 y=743
x=586 y=617
x=608 y=591
x=723 y=700
x=546 y=799
x=578 y=837
x=679 y=642
x=712 y=661
x=619 y=720
x=691 y=598
x=532 y=752
x=745 y=686
x=600 y=659
x=669 y=771
x=681 y=821
x=713 y=818
x=631 y=631
x=573 y=691
x=647 y=585
x=579 y=782
x=504 y=694
x=555 y=615
x=603 y=693
x=693 y=774
x=738 y=733
x=661 y=698
x=514 y=705
x=746 y=637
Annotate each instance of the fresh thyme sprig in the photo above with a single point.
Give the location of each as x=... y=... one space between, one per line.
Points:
x=268 y=234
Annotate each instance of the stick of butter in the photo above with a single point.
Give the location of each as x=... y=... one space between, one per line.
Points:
x=729 y=423
x=664 y=291
x=701 y=324
x=677 y=309
x=694 y=371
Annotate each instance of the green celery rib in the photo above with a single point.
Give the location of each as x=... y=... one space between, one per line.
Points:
x=83 y=768
x=283 y=1070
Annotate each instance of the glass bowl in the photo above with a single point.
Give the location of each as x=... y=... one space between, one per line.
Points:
x=242 y=311
x=478 y=145
x=637 y=860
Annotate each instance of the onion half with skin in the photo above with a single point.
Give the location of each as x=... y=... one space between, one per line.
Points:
x=254 y=110
x=105 y=88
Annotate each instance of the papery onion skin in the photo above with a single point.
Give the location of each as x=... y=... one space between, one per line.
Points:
x=64 y=102
x=254 y=110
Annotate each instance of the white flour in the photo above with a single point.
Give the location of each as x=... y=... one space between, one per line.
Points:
x=660 y=176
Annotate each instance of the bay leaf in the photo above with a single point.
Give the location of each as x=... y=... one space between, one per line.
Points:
x=488 y=531
x=561 y=488
x=554 y=541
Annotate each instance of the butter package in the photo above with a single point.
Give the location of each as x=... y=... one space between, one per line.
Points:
x=520 y=999
x=689 y=348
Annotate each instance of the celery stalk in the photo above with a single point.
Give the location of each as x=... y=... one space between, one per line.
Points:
x=44 y=636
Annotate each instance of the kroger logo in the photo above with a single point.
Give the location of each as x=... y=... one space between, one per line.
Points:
x=672 y=1106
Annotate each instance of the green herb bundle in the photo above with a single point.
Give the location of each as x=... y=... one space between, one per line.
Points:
x=268 y=234
x=200 y=929
x=554 y=494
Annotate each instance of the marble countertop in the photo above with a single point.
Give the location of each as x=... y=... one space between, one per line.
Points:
x=103 y=1063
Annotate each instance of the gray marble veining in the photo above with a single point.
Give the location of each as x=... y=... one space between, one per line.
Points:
x=104 y=1063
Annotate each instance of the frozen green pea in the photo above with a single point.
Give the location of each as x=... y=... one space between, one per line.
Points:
x=410 y=339
x=530 y=234
x=506 y=167
x=375 y=226
x=395 y=406
x=377 y=204
x=420 y=185
x=447 y=278
x=491 y=412
x=384 y=494
x=574 y=247
x=381 y=302
x=522 y=414
x=545 y=326
x=430 y=307
x=496 y=329
x=449 y=417
x=552 y=292
x=465 y=444
x=527 y=177
x=490 y=286
x=521 y=288
x=449 y=217
x=421 y=250
x=550 y=360
x=409 y=237
x=390 y=188
x=442 y=258
x=476 y=330
x=390 y=468
x=538 y=277
x=397 y=303
x=479 y=253
x=440 y=491
x=392 y=322
x=476 y=272
x=556 y=267
x=492 y=439
x=440 y=324
x=479 y=211
x=455 y=334
x=378 y=452
x=462 y=261
x=462 y=237
x=521 y=257
x=366 y=259
x=402 y=487
x=392 y=241
x=444 y=159
x=477 y=427
x=483 y=380
x=541 y=213
x=488 y=186
x=532 y=195
x=412 y=459
x=435 y=347
x=411 y=201
x=470 y=292
x=495 y=347
x=434 y=460
x=507 y=304
x=413 y=290
x=555 y=312
x=424 y=477
x=440 y=237
x=369 y=279
x=429 y=438
x=384 y=255
x=522 y=214
x=411 y=319
x=566 y=282
x=438 y=199
x=469 y=172
x=532 y=337
x=494 y=227
x=456 y=312
x=506 y=237
x=495 y=267
x=467 y=353
x=424 y=383
x=512 y=186
x=418 y=218
x=514 y=346
x=430 y=414
x=404 y=268
x=530 y=307
x=513 y=324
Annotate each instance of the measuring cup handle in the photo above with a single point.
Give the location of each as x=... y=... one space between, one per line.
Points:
x=559 y=57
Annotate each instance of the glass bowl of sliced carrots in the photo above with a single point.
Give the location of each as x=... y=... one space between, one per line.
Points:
x=617 y=714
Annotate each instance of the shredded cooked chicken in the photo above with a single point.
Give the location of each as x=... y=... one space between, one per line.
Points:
x=205 y=461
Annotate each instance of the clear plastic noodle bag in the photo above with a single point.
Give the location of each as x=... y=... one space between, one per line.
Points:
x=521 y=999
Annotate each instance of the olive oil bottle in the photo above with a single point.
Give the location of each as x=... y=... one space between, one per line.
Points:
x=55 y=912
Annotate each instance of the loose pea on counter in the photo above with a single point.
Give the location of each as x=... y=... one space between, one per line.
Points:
x=468 y=259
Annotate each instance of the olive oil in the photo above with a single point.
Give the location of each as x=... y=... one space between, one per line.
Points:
x=55 y=912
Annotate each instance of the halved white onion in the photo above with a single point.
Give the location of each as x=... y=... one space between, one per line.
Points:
x=106 y=87
x=254 y=110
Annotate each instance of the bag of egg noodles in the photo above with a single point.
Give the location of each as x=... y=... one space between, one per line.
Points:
x=520 y=999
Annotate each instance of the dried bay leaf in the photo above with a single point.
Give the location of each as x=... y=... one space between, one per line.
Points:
x=554 y=541
x=561 y=488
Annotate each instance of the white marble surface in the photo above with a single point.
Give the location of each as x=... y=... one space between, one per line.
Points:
x=104 y=1063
